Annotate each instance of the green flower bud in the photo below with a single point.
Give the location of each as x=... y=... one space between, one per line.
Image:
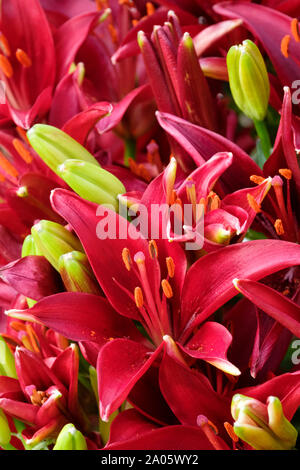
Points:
x=264 y=427
x=29 y=247
x=5 y=434
x=94 y=184
x=77 y=274
x=54 y=146
x=54 y=240
x=7 y=361
x=248 y=79
x=70 y=438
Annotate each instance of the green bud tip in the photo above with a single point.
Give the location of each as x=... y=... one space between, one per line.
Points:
x=70 y=438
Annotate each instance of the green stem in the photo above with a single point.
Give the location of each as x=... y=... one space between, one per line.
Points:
x=264 y=137
x=130 y=150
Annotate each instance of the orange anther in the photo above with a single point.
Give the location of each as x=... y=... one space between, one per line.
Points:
x=256 y=179
x=286 y=173
x=138 y=297
x=153 y=251
x=167 y=289
x=284 y=46
x=279 y=227
x=23 y=58
x=170 y=266
x=22 y=151
x=7 y=166
x=22 y=134
x=230 y=431
x=126 y=258
x=295 y=29
x=6 y=66
x=150 y=8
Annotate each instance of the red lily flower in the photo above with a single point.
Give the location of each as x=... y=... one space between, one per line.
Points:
x=28 y=79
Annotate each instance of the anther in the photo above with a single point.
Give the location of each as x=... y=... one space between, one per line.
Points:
x=253 y=203
x=23 y=58
x=4 y=44
x=167 y=289
x=230 y=431
x=7 y=166
x=22 y=134
x=256 y=179
x=295 y=29
x=150 y=8
x=284 y=46
x=138 y=297
x=286 y=173
x=6 y=66
x=22 y=151
x=170 y=266
x=153 y=251
x=279 y=227
x=126 y=258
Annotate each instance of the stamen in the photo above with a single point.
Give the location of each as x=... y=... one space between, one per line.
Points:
x=150 y=8
x=284 y=46
x=6 y=66
x=253 y=203
x=126 y=258
x=38 y=397
x=215 y=201
x=230 y=431
x=192 y=197
x=22 y=151
x=167 y=289
x=209 y=430
x=4 y=44
x=7 y=166
x=33 y=338
x=256 y=179
x=153 y=251
x=17 y=325
x=23 y=58
x=279 y=227
x=286 y=173
x=170 y=266
x=295 y=29
x=138 y=297
x=22 y=134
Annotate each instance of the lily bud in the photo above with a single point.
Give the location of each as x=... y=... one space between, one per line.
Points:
x=70 y=438
x=94 y=184
x=7 y=361
x=248 y=79
x=5 y=434
x=77 y=274
x=264 y=427
x=29 y=247
x=54 y=146
x=54 y=240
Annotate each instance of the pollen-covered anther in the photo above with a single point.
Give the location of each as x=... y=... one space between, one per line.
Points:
x=4 y=44
x=257 y=179
x=279 y=227
x=23 y=58
x=22 y=151
x=295 y=29
x=126 y=258
x=153 y=250
x=286 y=173
x=253 y=203
x=38 y=397
x=284 y=46
x=167 y=289
x=138 y=297
x=170 y=266
x=6 y=66
x=150 y=8
x=230 y=431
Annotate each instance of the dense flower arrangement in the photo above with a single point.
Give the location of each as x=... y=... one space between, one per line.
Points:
x=149 y=224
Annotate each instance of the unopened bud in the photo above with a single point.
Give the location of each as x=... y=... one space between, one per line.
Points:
x=5 y=434
x=54 y=240
x=262 y=426
x=92 y=183
x=54 y=146
x=70 y=438
x=248 y=79
x=7 y=361
x=77 y=274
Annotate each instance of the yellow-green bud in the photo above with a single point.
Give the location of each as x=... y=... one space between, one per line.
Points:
x=29 y=248
x=248 y=79
x=94 y=184
x=54 y=146
x=5 y=434
x=77 y=274
x=7 y=361
x=70 y=438
x=54 y=240
x=263 y=426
